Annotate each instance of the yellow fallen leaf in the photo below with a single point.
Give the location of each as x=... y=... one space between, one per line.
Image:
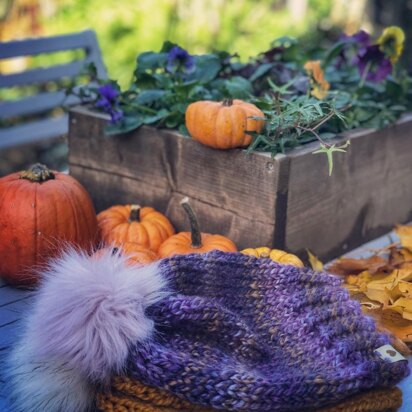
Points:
x=384 y=281
x=394 y=294
x=379 y=295
x=403 y=306
x=407 y=315
x=404 y=274
x=405 y=303
x=405 y=289
x=314 y=261
x=405 y=235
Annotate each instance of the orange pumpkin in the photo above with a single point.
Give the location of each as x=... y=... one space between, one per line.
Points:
x=223 y=125
x=194 y=241
x=41 y=210
x=135 y=252
x=132 y=223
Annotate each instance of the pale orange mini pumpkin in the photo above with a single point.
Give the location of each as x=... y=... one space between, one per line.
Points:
x=194 y=241
x=223 y=125
x=132 y=223
x=135 y=252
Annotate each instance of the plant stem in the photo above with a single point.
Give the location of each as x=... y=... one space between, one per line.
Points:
x=37 y=173
x=134 y=213
x=194 y=224
x=142 y=108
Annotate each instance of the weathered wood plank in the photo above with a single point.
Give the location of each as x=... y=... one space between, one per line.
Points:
x=368 y=193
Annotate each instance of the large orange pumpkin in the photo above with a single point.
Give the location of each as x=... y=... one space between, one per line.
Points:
x=223 y=125
x=132 y=223
x=194 y=241
x=135 y=252
x=41 y=211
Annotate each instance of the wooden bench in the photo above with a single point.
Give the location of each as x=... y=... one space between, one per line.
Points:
x=34 y=112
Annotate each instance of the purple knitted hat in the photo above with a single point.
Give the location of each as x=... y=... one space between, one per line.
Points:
x=219 y=329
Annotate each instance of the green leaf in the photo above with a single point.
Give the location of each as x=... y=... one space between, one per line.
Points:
x=238 y=87
x=150 y=61
x=333 y=52
x=207 y=68
x=161 y=114
x=126 y=125
x=260 y=71
x=149 y=96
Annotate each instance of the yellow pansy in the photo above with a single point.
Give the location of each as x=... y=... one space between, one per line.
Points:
x=320 y=86
x=391 y=42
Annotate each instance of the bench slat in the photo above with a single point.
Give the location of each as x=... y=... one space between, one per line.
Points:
x=44 y=74
x=34 y=46
x=38 y=103
x=33 y=132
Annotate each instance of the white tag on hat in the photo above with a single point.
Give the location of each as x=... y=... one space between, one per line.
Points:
x=389 y=353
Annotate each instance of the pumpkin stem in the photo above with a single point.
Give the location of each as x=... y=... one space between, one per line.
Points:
x=37 y=173
x=134 y=213
x=227 y=102
x=194 y=224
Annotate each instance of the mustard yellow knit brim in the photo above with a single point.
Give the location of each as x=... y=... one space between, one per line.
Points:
x=128 y=395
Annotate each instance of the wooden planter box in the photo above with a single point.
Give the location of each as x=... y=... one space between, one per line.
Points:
x=286 y=202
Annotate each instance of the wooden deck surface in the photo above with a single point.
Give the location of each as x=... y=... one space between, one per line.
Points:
x=14 y=303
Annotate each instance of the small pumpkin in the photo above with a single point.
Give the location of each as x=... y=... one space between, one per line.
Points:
x=132 y=223
x=194 y=241
x=223 y=125
x=279 y=256
x=40 y=211
x=135 y=252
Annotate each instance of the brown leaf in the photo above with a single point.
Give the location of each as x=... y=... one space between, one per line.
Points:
x=348 y=266
x=393 y=322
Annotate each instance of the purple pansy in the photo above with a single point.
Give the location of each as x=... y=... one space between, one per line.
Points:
x=359 y=41
x=108 y=102
x=378 y=66
x=179 y=59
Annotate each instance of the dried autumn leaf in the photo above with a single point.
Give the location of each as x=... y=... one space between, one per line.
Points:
x=314 y=261
x=403 y=306
x=348 y=266
x=405 y=236
x=405 y=289
x=399 y=257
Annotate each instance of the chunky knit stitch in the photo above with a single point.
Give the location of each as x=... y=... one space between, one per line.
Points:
x=246 y=334
x=128 y=395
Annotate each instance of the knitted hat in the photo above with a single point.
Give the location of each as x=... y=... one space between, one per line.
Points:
x=131 y=395
x=220 y=330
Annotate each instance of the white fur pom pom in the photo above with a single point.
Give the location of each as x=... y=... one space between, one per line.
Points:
x=45 y=385
x=87 y=314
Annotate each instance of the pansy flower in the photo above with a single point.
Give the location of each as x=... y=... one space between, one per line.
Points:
x=108 y=102
x=179 y=60
x=357 y=43
x=320 y=85
x=374 y=65
x=391 y=43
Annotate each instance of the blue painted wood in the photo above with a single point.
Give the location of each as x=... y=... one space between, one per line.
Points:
x=43 y=103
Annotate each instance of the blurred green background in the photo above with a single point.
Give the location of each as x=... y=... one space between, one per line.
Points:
x=127 y=27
